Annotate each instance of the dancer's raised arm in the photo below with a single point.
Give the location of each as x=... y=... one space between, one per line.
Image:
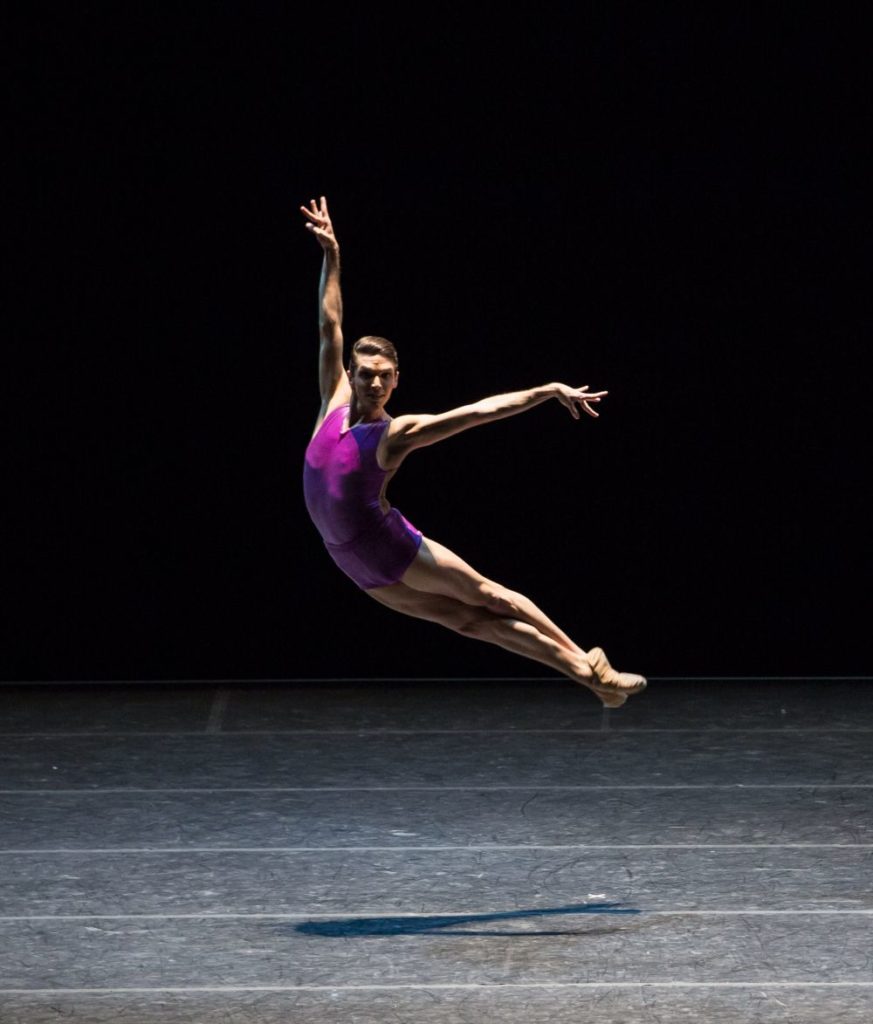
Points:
x=416 y=431
x=331 y=375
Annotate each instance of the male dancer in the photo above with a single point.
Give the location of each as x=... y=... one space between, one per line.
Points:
x=355 y=450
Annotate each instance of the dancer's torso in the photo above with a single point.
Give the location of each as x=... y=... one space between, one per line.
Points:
x=343 y=483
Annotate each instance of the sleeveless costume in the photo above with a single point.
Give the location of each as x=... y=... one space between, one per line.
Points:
x=342 y=482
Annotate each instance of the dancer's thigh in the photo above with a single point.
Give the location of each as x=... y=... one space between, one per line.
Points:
x=437 y=570
x=447 y=611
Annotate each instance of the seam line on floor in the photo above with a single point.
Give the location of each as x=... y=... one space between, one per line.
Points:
x=544 y=788
x=66 y=851
x=214 y=727
x=445 y=987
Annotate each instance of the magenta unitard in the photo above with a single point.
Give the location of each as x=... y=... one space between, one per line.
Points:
x=342 y=482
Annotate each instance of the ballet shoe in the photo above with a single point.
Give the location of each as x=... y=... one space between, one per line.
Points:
x=612 y=687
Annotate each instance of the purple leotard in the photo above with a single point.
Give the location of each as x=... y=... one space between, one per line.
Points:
x=342 y=482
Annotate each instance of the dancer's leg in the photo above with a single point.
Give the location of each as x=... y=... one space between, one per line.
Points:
x=478 y=622
x=437 y=570
x=514 y=621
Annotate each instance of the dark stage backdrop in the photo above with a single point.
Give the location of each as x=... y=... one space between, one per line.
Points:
x=669 y=209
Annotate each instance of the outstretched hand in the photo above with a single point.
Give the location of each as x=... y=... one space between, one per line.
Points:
x=573 y=398
x=318 y=222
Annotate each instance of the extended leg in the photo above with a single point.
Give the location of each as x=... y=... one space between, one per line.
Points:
x=482 y=624
x=437 y=570
x=514 y=622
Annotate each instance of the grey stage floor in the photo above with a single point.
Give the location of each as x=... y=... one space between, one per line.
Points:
x=443 y=851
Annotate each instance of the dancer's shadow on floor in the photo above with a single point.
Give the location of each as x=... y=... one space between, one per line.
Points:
x=437 y=924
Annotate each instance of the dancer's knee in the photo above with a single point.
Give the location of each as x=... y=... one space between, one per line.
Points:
x=498 y=600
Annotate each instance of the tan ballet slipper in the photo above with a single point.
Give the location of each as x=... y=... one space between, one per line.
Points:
x=611 y=686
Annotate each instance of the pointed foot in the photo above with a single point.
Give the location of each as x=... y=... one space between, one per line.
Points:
x=612 y=687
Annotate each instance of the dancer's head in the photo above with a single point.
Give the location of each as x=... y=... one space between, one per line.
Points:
x=372 y=345
x=373 y=370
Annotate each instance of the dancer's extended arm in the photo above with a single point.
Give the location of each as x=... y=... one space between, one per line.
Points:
x=409 y=432
x=331 y=375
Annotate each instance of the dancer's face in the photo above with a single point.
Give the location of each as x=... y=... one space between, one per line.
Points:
x=373 y=380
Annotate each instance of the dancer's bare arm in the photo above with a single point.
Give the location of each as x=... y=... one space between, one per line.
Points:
x=332 y=380
x=409 y=432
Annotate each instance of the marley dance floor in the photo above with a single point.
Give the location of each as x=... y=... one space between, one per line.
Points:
x=479 y=851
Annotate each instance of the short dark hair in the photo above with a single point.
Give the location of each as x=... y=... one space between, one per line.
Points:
x=372 y=345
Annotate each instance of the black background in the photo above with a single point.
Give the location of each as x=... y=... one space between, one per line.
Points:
x=665 y=206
